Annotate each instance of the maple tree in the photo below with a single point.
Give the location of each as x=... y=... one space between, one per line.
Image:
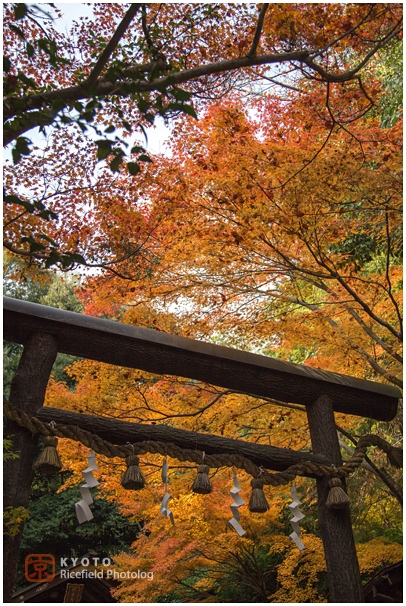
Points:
x=214 y=241
x=276 y=230
x=313 y=261
x=128 y=72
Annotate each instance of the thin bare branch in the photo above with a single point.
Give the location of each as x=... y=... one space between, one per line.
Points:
x=389 y=289
x=381 y=473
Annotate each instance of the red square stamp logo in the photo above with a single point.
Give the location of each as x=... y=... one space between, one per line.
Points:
x=39 y=567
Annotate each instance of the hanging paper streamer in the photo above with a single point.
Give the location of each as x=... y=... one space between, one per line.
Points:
x=164 y=511
x=298 y=515
x=83 y=512
x=238 y=502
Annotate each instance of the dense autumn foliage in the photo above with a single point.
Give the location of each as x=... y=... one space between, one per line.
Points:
x=312 y=262
x=273 y=224
x=162 y=60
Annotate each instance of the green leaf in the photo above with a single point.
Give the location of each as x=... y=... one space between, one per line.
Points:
x=6 y=64
x=26 y=80
x=145 y=158
x=52 y=47
x=34 y=245
x=53 y=258
x=76 y=258
x=12 y=199
x=181 y=95
x=29 y=239
x=82 y=126
x=30 y=49
x=22 y=144
x=43 y=44
x=20 y=10
x=143 y=105
x=144 y=132
x=47 y=214
x=110 y=129
x=58 y=104
x=88 y=116
x=161 y=87
x=155 y=72
x=137 y=149
x=186 y=109
x=17 y=31
x=103 y=148
x=15 y=155
x=115 y=163
x=133 y=168
x=48 y=239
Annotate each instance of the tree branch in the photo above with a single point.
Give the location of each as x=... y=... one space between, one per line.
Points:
x=361 y=302
x=375 y=337
x=388 y=251
x=381 y=473
x=111 y=46
x=361 y=322
x=253 y=50
x=352 y=73
x=81 y=91
x=378 y=369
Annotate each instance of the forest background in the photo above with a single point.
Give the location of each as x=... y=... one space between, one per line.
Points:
x=272 y=224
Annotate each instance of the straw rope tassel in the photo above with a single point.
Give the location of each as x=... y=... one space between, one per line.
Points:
x=133 y=478
x=337 y=498
x=48 y=461
x=105 y=448
x=202 y=484
x=258 y=502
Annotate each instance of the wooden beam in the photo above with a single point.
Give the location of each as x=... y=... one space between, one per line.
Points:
x=121 y=432
x=162 y=353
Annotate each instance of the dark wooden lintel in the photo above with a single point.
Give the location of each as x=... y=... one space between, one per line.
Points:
x=162 y=353
x=122 y=432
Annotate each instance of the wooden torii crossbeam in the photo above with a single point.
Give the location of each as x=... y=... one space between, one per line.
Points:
x=45 y=331
x=162 y=353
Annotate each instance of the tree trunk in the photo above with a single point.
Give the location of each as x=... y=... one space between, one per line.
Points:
x=335 y=524
x=27 y=393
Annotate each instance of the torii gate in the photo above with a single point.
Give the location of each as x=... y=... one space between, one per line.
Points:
x=44 y=331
